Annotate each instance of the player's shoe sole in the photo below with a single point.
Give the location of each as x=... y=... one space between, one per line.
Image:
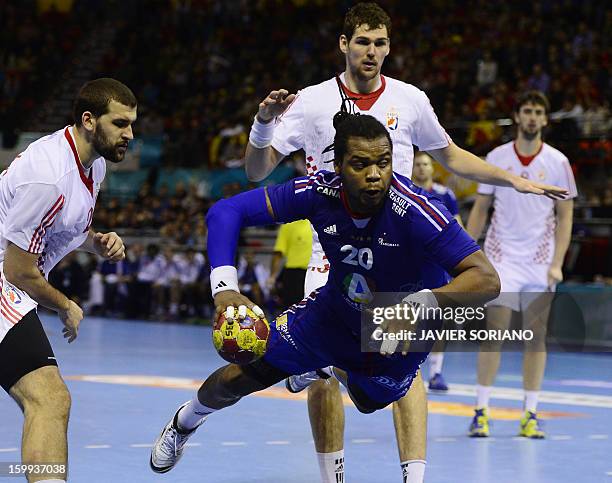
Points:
x=295 y=384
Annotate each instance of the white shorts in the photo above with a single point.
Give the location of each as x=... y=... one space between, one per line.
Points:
x=14 y=304
x=521 y=284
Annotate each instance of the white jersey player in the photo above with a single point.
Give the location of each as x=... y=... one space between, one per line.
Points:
x=47 y=199
x=304 y=121
x=526 y=242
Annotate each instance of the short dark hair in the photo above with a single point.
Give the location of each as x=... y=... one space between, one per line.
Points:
x=370 y=14
x=95 y=96
x=532 y=97
x=358 y=126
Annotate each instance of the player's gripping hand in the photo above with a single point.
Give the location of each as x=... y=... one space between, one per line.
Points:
x=395 y=334
x=71 y=317
x=235 y=305
x=109 y=246
x=523 y=185
x=274 y=105
x=555 y=276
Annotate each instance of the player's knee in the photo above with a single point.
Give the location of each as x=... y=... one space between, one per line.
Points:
x=234 y=384
x=53 y=401
x=323 y=388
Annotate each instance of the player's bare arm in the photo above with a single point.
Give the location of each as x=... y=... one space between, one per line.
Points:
x=108 y=245
x=260 y=157
x=468 y=165
x=478 y=215
x=563 y=233
x=20 y=268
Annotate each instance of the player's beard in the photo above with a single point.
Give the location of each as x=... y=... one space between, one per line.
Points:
x=529 y=135
x=105 y=148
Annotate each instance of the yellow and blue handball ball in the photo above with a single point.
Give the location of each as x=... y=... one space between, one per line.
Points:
x=241 y=341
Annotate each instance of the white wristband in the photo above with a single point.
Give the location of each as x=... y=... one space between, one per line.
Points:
x=223 y=278
x=424 y=297
x=261 y=133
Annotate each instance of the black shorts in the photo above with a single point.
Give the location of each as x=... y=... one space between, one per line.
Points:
x=24 y=349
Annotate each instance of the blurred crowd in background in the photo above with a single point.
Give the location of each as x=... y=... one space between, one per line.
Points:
x=200 y=68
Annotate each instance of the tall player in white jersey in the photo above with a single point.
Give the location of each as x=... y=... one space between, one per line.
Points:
x=526 y=242
x=47 y=199
x=287 y=122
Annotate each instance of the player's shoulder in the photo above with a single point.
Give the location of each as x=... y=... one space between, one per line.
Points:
x=409 y=90
x=553 y=154
x=322 y=88
x=442 y=190
x=414 y=203
x=501 y=151
x=322 y=183
x=43 y=161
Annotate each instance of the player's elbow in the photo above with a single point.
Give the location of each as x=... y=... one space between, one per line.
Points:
x=489 y=279
x=254 y=175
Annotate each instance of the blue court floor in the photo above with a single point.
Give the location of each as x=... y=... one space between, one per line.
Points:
x=127 y=379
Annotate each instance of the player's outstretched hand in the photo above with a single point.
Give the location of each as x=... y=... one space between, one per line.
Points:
x=109 y=246
x=394 y=335
x=274 y=105
x=71 y=318
x=235 y=305
x=523 y=185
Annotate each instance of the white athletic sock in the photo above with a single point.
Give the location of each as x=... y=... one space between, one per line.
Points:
x=435 y=364
x=331 y=466
x=483 y=393
x=531 y=400
x=192 y=414
x=413 y=471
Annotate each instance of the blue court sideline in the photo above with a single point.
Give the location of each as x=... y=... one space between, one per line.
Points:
x=117 y=415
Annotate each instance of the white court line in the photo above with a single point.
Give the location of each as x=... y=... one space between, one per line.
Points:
x=553 y=397
x=8 y=450
x=609 y=473
x=191 y=445
x=363 y=440
x=97 y=446
x=560 y=437
x=233 y=443
x=444 y=440
x=277 y=443
x=141 y=445
x=519 y=438
x=598 y=436
x=488 y=438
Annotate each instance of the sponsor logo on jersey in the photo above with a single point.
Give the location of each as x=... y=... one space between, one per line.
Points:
x=328 y=191
x=12 y=294
x=400 y=204
x=524 y=174
x=392 y=119
x=541 y=175
x=381 y=241
x=330 y=230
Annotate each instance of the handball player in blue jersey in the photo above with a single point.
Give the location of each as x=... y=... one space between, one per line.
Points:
x=381 y=234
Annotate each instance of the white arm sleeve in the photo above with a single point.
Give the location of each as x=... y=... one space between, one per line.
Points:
x=31 y=215
x=565 y=178
x=429 y=134
x=289 y=131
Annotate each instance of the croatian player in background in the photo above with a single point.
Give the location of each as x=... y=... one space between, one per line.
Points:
x=422 y=176
x=526 y=242
x=287 y=122
x=375 y=245
x=47 y=199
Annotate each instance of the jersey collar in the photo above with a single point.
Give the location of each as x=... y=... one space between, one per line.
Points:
x=526 y=160
x=87 y=180
x=364 y=101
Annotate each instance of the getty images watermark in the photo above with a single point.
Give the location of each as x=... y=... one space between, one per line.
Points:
x=575 y=321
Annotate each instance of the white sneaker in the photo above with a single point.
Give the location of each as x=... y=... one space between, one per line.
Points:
x=295 y=384
x=168 y=448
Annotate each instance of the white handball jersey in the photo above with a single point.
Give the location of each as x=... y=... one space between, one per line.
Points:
x=47 y=199
x=405 y=111
x=308 y=124
x=522 y=227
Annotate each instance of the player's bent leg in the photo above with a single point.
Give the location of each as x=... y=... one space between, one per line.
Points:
x=45 y=401
x=223 y=388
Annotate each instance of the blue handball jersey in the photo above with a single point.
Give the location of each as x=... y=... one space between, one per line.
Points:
x=409 y=245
